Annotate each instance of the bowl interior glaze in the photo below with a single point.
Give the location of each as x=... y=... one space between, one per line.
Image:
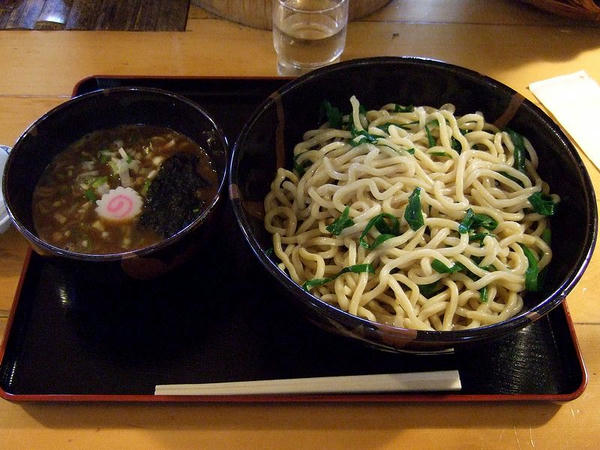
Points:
x=268 y=139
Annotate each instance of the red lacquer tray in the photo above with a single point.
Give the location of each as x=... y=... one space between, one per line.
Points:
x=221 y=318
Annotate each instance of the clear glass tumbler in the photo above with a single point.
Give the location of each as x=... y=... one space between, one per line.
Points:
x=308 y=33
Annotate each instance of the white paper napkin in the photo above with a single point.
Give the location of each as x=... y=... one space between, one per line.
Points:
x=574 y=100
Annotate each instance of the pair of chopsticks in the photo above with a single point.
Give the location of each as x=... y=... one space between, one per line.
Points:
x=446 y=380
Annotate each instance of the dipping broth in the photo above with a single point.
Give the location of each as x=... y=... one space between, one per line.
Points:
x=122 y=189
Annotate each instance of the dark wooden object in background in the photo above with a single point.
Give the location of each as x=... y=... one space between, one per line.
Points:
x=114 y=15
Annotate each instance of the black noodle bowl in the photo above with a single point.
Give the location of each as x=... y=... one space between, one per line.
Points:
x=267 y=142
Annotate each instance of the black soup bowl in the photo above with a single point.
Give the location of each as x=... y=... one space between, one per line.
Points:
x=106 y=109
x=268 y=139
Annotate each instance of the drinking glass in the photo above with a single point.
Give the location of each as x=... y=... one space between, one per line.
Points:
x=308 y=33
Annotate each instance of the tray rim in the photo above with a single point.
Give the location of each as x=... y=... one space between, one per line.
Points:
x=401 y=397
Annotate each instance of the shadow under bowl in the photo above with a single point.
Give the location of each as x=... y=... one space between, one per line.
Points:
x=105 y=109
x=268 y=139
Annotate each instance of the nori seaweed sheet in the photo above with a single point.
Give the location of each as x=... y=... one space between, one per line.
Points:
x=172 y=201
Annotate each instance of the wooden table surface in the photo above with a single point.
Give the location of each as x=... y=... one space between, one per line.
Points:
x=122 y=15
x=504 y=39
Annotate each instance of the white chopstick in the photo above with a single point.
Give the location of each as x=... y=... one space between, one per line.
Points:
x=446 y=380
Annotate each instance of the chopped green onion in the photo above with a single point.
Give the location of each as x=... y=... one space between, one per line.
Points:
x=429 y=290
x=485 y=221
x=456 y=145
x=333 y=114
x=472 y=221
x=387 y=231
x=547 y=236
x=385 y=127
x=315 y=282
x=430 y=138
x=440 y=267
x=410 y=151
x=413 y=213
x=380 y=240
x=390 y=147
x=407 y=126
x=532 y=272
x=467 y=222
x=404 y=109
x=542 y=204
x=479 y=237
x=383 y=227
x=300 y=169
x=90 y=195
x=438 y=154
x=103 y=156
x=510 y=177
x=113 y=165
x=490 y=268
x=519 y=151
x=483 y=294
x=344 y=221
x=99 y=182
x=361 y=136
x=477 y=259
x=357 y=268
x=145 y=187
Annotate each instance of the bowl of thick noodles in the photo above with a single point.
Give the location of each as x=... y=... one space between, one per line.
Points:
x=127 y=178
x=412 y=204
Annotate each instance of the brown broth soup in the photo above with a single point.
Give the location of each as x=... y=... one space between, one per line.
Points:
x=122 y=189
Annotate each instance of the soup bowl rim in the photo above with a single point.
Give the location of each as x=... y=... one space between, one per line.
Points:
x=45 y=247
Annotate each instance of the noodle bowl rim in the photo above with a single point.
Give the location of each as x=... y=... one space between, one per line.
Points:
x=326 y=311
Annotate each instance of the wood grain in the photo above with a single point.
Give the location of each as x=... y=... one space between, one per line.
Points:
x=83 y=15
x=22 y=14
x=509 y=12
x=577 y=9
x=257 y=13
x=125 y=15
x=212 y=47
x=118 y=15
